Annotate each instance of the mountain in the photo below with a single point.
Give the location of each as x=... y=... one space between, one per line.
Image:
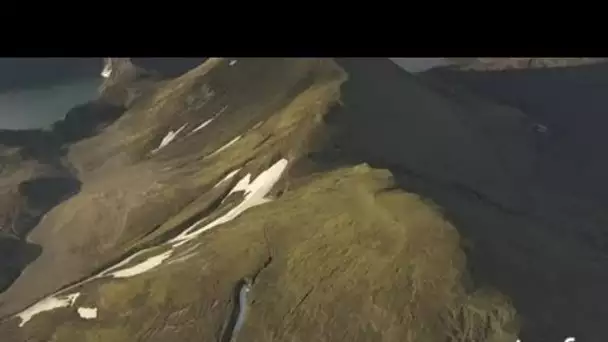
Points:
x=510 y=63
x=563 y=278
x=301 y=199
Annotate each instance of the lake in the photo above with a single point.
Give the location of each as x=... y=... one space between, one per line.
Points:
x=40 y=107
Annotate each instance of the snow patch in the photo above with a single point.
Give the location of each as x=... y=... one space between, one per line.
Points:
x=107 y=70
x=169 y=138
x=230 y=143
x=206 y=123
x=120 y=264
x=55 y=301
x=227 y=178
x=232 y=62
x=47 y=304
x=255 y=193
x=201 y=126
x=142 y=267
x=242 y=185
x=87 y=313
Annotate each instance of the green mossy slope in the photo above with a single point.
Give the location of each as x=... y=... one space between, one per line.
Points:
x=350 y=258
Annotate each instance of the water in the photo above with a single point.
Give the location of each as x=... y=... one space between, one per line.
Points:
x=40 y=107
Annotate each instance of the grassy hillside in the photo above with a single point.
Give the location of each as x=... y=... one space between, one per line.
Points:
x=334 y=250
x=343 y=255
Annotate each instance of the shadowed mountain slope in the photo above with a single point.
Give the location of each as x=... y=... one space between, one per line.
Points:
x=569 y=255
x=570 y=104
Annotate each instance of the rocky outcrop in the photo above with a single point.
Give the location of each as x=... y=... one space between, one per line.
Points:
x=122 y=84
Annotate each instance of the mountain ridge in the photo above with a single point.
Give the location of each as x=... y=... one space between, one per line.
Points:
x=303 y=187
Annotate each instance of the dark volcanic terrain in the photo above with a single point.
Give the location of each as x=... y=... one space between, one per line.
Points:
x=310 y=200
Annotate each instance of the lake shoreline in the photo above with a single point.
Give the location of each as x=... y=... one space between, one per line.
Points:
x=40 y=108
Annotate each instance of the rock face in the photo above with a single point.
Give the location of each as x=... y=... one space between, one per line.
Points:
x=122 y=81
x=303 y=200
